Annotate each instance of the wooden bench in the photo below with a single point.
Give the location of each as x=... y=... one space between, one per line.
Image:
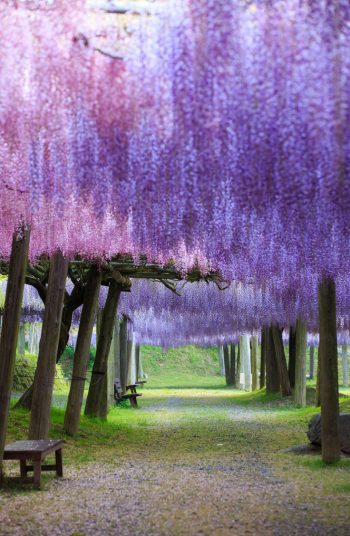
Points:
x=119 y=395
x=36 y=451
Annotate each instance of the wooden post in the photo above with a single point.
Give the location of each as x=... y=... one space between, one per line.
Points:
x=123 y=341
x=74 y=301
x=254 y=345
x=300 y=363
x=345 y=367
x=281 y=362
x=221 y=360
x=117 y=350
x=113 y=364
x=318 y=382
x=292 y=356
x=82 y=351
x=45 y=371
x=233 y=365
x=10 y=326
x=22 y=340
x=238 y=367
x=329 y=371
x=263 y=358
x=272 y=376
x=312 y=362
x=227 y=363
x=96 y=403
x=245 y=356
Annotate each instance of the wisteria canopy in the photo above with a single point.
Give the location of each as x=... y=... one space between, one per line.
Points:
x=220 y=138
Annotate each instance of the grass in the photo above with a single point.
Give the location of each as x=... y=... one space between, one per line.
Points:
x=193 y=417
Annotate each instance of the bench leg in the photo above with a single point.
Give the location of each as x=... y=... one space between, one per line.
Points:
x=37 y=473
x=59 y=466
x=133 y=402
x=23 y=468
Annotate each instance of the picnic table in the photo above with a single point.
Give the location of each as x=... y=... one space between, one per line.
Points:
x=36 y=451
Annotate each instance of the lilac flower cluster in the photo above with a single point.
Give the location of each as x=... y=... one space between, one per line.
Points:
x=222 y=140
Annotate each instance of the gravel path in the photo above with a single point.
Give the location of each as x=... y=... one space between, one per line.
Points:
x=185 y=494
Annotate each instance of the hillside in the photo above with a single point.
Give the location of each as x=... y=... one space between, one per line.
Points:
x=181 y=366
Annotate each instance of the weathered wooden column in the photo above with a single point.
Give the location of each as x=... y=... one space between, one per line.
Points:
x=244 y=342
x=345 y=366
x=131 y=374
x=123 y=345
x=263 y=359
x=300 y=363
x=318 y=381
x=113 y=369
x=227 y=363
x=329 y=371
x=82 y=351
x=138 y=355
x=312 y=362
x=96 y=403
x=10 y=325
x=221 y=360
x=233 y=365
x=238 y=367
x=46 y=366
x=21 y=340
x=272 y=377
x=292 y=356
x=254 y=345
x=281 y=361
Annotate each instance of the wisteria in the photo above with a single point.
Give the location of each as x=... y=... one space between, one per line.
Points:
x=201 y=313
x=220 y=139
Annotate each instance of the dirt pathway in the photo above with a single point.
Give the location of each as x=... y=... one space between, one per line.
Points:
x=186 y=480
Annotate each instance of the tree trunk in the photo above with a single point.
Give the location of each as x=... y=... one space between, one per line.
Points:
x=254 y=344
x=82 y=351
x=96 y=403
x=272 y=376
x=312 y=362
x=227 y=363
x=10 y=326
x=131 y=376
x=281 y=362
x=329 y=371
x=318 y=382
x=238 y=367
x=233 y=365
x=113 y=364
x=244 y=342
x=138 y=362
x=123 y=341
x=45 y=372
x=22 y=340
x=300 y=364
x=345 y=367
x=221 y=360
x=73 y=302
x=292 y=356
x=263 y=358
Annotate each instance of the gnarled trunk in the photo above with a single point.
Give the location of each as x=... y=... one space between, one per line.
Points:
x=45 y=371
x=281 y=362
x=329 y=371
x=96 y=403
x=82 y=351
x=10 y=326
x=73 y=302
x=300 y=364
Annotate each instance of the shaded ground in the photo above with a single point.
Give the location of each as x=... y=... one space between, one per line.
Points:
x=188 y=462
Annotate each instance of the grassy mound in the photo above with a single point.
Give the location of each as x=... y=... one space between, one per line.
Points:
x=25 y=371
